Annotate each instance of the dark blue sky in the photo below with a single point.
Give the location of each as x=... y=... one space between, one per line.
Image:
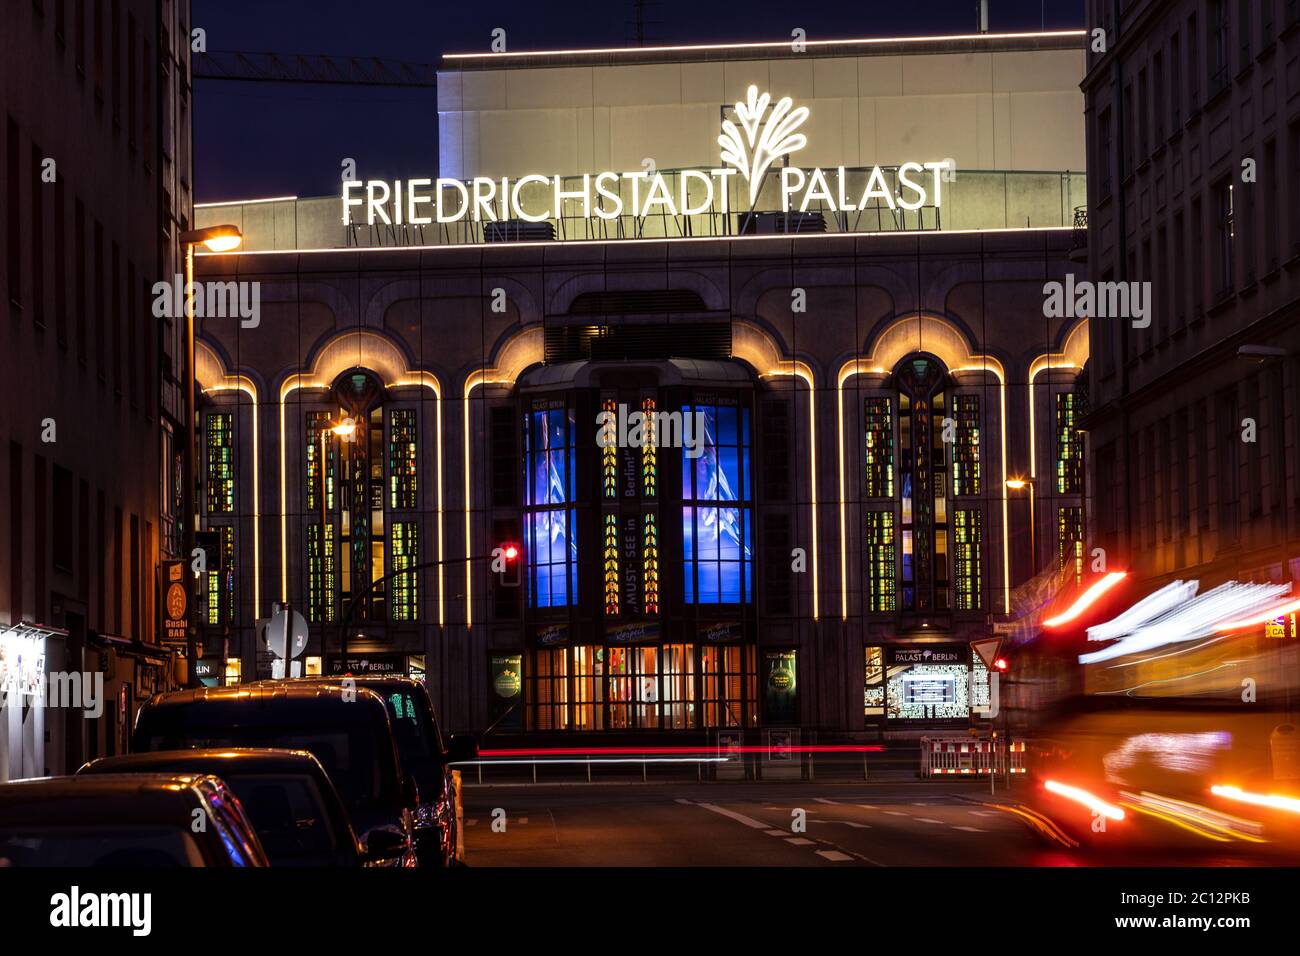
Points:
x=271 y=139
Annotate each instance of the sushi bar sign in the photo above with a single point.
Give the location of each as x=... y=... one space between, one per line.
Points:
x=762 y=132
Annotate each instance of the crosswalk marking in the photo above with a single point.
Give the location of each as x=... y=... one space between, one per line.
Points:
x=798 y=841
x=779 y=833
x=825 y=800
x=835 y=856
x=895 y=813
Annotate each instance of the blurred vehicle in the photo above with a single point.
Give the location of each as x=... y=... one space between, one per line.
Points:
x=297 y=812
x=125 y=820
x=346 y=729
x=439 y=840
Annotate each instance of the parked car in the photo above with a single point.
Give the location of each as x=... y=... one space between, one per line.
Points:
x=297 y=812
x=125 y=820
x=346 y=729
x=438 y=836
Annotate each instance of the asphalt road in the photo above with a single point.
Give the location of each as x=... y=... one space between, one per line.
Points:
x=746 y=824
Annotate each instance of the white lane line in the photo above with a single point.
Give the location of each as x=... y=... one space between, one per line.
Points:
x=983 y=813
x=522 y=820
x=798 y=841
x=868 y=806
x=847 y=823
x=835 y=856
x=928 y=820
x=739 y=817
x=834 y=803
x=896 y=813
x=971 y=829
x=778 y=833
x=685 y=801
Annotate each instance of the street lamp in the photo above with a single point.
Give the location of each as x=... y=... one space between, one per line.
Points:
x=223 y=238
x=1016 y=484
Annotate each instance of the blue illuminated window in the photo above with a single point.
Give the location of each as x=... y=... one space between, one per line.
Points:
x=550 y=521
x=716 y=523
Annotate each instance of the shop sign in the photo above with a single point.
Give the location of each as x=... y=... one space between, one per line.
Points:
x=370 y=664
x=780 y=687
x=633 y=632
x=763 y=132
x=548 y=634
x=899 y=656
x=720 y=631
x=1284 y=626
x=505 y=675
x=176 y=602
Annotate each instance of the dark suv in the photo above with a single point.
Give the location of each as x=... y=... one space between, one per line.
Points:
x=439 y=841
x=346 y=728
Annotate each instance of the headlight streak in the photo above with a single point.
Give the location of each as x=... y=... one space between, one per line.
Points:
x=1086 y=599
x=1079 y=795
x=1200 y=820
x=1271 y=800
x=1148 y=609
x=1195 y=619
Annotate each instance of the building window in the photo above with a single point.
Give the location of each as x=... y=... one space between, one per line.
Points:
x=968 y=564
x=221 y=463
x=1218 y=45
x=878 y=417
x=221 y=583
x=716 y=536
x=729 y=685
x=611 y=566
x=1244 y=32
x=650 y=562
x=873 y=682
x=1175 y=82
x=1069 y=446
x=1193 y=65
x=678 y=693
x=881 y=560
x=402 y=459
x=404 y=552
x=322 y=581
x=550 y=521
x=1225 y=236
x=966 y=449
x=633 y=687
x=1104 y=157
x=1069 y=540
x=923 y=477
x=547 y=689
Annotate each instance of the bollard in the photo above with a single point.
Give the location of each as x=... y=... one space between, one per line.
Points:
x=588 y=756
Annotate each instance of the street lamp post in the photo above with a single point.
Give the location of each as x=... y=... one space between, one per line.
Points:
x=1015 y=484
x=222 y=238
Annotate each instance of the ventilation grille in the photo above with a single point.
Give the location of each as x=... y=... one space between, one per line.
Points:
x=637 y=302
x=518 y=230
x=580 y=343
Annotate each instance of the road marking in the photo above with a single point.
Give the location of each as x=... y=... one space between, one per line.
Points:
x=868 y=806
x=924 y=804
x=685 y=801
x=470 y=823
x=835 y=856
x=825 y=800
x=779 y=833
x=522 y=820
x=739 y=817
x=847 y=823
x=983 y=813
x=798 y=841
x=928 y=820
x=896 y=813
x=971 y=829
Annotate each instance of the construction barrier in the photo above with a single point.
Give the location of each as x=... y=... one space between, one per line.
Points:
x=944 y=756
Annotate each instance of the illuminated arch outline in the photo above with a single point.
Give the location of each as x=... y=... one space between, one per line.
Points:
x=211 y=374
x=928 y=333
x=355 y=349
x=1072 y=356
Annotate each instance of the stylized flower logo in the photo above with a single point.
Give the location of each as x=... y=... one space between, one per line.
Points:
x=751 y=150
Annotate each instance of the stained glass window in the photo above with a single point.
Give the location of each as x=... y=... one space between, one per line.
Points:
x=968 y=528
x=966 y=449
x=322 y=584
x=649 y=451
x=923 y=464
x=550 y=521
x=878 y=414
x=402 y=459
x=611 y=566
x=404 y=552
x=1069 y=540
x=716 y=531
x=608 y=440
x=882 y=569
x=221 y=463
x=221 y=584
x=1069 y=446
x=650 y=562
x=318 y=422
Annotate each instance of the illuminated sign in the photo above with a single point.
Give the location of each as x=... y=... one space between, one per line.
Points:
x=762 y=133
x=22 y=664
x=176 y=602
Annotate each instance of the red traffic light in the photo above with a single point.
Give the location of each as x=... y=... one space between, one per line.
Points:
x=510 y=552
x=1000 y=664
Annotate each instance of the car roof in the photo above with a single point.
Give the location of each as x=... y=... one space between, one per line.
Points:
x=98 y=799
x=363 y=680
x=269 y=701
x=257 y=760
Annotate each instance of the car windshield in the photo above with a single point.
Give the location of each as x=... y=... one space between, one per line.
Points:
x=348 y=754
x=120 y=846
x=289 y=814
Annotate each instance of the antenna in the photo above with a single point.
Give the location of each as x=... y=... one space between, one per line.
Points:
x=984 y=16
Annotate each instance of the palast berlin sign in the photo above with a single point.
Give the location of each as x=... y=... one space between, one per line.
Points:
x=762 y=133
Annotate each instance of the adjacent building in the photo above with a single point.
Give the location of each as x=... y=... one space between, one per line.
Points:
x=94 y=187
x=844 y=378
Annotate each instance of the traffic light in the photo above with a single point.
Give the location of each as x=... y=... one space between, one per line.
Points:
x=505 y=562
x=1001 y=665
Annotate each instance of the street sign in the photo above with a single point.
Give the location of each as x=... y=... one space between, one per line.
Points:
x=987 y=650
x=286 y=638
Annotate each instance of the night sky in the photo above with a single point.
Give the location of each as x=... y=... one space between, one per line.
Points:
x=272 y=139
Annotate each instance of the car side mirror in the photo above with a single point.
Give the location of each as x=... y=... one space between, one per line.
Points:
x=384 y=843
x=461 y=747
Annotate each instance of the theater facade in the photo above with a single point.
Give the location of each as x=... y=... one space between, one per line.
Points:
x=749 y=443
